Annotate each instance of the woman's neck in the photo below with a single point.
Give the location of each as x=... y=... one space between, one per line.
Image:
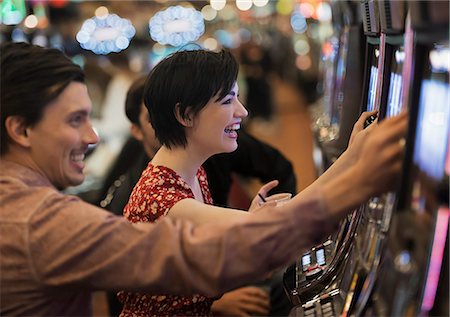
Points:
x=184 y=161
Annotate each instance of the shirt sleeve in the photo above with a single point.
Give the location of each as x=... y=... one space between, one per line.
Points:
x=74 y=244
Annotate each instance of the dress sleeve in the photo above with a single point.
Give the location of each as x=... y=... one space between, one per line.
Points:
x=155 y=194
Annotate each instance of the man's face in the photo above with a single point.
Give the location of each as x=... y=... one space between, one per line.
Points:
x=147 y=133
x=59 y=141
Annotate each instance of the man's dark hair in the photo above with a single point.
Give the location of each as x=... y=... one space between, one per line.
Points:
x=31 y=78
x=188 y=80
x=134 y=99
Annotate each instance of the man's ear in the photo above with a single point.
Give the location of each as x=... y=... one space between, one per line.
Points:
x=187 y=119
x=136 y=132
x=17 y=130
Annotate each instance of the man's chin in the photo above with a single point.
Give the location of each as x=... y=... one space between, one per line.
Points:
x=72 y=182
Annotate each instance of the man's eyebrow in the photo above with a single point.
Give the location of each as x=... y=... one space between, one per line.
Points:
x=80 y=112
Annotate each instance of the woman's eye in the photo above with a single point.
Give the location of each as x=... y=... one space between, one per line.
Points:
x=227 y=101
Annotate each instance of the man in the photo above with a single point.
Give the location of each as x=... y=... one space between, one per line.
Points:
x=55 y=249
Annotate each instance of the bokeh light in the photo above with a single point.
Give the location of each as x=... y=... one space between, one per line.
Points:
x=218 y=4
x=106 y=35
x=176 y=26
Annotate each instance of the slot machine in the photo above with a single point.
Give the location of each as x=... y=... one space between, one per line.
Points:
x=344 y=92
x=384 y=93
x=321 y=268
x=413 y=279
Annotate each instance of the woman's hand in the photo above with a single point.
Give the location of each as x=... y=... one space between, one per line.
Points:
x=245 y=301
x=256 y=202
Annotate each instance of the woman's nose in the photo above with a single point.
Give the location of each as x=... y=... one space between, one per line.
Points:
x=241 y=111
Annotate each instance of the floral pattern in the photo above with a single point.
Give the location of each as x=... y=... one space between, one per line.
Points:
x=158 y=189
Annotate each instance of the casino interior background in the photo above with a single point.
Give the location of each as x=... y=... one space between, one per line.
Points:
x=308 y=69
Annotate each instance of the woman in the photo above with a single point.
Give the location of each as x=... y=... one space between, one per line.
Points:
x=192 y=97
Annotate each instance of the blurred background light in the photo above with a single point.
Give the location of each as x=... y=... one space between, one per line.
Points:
x=227 y=13
x=218 y=4
x=324 y=12
x=31 y=21
x=12 y=11
x=209 y=13
x=176 y=26
x=306 y=9
x=211 y=44
x=105 y=35
x=285 y=7
x=260 y=3
x=301 y=47
x=303 y=62
x=17 y=35
x=244 y=5
x=40 y=40
x=298 y=22
x=102 y=12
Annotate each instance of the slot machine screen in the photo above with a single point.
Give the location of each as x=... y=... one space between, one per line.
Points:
x=320 y=256
x=433 y=121
x=394 y=102
x=373 y=78
x=306 y=261
x=429 y=162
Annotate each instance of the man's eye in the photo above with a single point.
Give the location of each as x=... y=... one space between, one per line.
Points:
x=76 y=121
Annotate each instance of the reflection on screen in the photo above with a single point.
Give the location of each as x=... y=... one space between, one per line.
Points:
x=341 y=68
x=320 y=256
x=373 y=79
x=432 y=128
x=372 y=88
x=394 y=105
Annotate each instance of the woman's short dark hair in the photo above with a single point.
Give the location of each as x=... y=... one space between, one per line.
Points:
x=186 y=79
x=31 y=78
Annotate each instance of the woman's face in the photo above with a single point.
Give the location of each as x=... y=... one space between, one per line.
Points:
x=215 y=127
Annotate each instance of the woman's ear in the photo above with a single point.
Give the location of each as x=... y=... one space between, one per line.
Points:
x=136 y=132
x=185 y=120
x=17 y=130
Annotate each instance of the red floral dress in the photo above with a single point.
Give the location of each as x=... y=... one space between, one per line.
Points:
x=158 y=189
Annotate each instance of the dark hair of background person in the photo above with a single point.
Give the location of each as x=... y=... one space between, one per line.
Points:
x=187 y=80
x=31 y=78
x=134 y=100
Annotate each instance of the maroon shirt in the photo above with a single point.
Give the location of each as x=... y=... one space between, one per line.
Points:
x=55 y=249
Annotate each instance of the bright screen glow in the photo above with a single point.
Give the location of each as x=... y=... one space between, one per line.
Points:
x=306 y=261
x=373 y=80
x=320 y=256
x=432 y=128
x=394 y=105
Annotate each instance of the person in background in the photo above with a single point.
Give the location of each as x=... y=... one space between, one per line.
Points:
x=193 y=105
x=56 y=249
x=252 y=158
